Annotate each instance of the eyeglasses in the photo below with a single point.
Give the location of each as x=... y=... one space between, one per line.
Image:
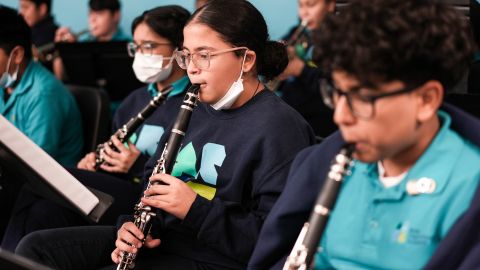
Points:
x=200 y=59
x=145 y=48
x=362 y=106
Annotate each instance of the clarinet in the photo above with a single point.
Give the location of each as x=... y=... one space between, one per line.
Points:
x=294 y=38
x=301 y=256
x=46 y=53
x=143 y=213
x=124 y=133
x=298 y=33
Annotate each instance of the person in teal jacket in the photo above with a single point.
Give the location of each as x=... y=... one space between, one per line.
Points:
x=103 y=26
x=32 y=99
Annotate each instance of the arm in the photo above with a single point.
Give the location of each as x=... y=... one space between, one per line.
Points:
x=294 y=205
x=45 y=118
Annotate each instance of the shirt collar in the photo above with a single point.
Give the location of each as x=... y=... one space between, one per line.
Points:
x=26 y=80
x=435 y=163
x=178 y=87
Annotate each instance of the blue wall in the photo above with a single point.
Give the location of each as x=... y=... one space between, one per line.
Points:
x=279 y=14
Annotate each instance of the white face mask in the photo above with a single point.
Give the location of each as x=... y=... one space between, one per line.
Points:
x=8 y=80
x=233 y=92
x=149 y=68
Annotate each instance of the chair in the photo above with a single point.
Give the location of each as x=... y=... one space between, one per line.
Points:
x=11 y=261
x=94 y=106
x=467 y=102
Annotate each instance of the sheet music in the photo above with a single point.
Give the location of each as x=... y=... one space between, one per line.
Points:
x=49 y=169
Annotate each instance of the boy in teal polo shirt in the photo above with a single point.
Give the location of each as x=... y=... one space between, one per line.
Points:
x=416 y=165
x=103 y=21
x=32 y=98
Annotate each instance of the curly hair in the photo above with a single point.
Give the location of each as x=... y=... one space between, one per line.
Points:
x=384 y=40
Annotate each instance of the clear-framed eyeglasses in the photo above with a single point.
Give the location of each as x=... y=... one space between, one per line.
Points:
x=361 y=106
x=146 y=48
x=200 y=59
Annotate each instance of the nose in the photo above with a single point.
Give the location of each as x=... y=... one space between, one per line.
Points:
x=192 y=68
x=343 y=115
x=303 y=13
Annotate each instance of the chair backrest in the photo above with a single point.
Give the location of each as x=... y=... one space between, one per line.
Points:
x=94 y=106
x=11 y=261
x=468 y=102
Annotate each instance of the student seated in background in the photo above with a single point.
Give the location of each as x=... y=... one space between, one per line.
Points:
x=299 y=81
x=37 y=14
x=230 y=170
x=103 y=26
x=157 y=34
x=412 y=199
x=32 y=98
x=35 y=102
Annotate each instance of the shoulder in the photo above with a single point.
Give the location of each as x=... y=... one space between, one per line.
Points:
x=138 y=95
x=134 y=101
x=275 y=111
x=45 y=83
x=316 y=159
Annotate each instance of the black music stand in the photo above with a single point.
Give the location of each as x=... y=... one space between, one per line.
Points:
x=31 y=165
x=100 y=64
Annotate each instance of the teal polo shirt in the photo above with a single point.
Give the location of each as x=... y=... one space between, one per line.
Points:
x=46 y=112
x=147 y=138
x=118 y=36
x=373 y=227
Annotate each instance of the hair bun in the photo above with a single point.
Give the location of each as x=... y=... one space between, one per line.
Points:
x=275 y=60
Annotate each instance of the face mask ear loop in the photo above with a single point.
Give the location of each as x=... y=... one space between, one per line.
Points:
x=243 y=63
x=15 y=74
x=9 y=61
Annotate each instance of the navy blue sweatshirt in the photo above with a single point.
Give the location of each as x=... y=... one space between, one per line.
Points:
x=305 y=181
x=149 y=133
x=241 y=157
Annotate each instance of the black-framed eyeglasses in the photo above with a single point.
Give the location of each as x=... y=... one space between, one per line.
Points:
x=145 y=48
x=362 y=106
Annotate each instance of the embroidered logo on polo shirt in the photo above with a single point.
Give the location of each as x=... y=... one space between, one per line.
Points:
x=401 y=232
x=405 y=234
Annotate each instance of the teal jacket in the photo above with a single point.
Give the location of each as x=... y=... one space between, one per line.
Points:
x=44 y=110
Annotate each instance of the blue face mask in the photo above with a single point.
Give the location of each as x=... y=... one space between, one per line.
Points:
x=8 y=80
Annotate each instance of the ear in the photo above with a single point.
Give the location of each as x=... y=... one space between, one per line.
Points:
x=250 y=59
x=18 y=55
x=430 y=97
x=331 y=5
x=43 y=10
x=116 y=16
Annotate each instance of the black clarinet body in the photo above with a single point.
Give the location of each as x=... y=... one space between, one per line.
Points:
x=143 y=213
x=301 y=256
x=124 y=133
